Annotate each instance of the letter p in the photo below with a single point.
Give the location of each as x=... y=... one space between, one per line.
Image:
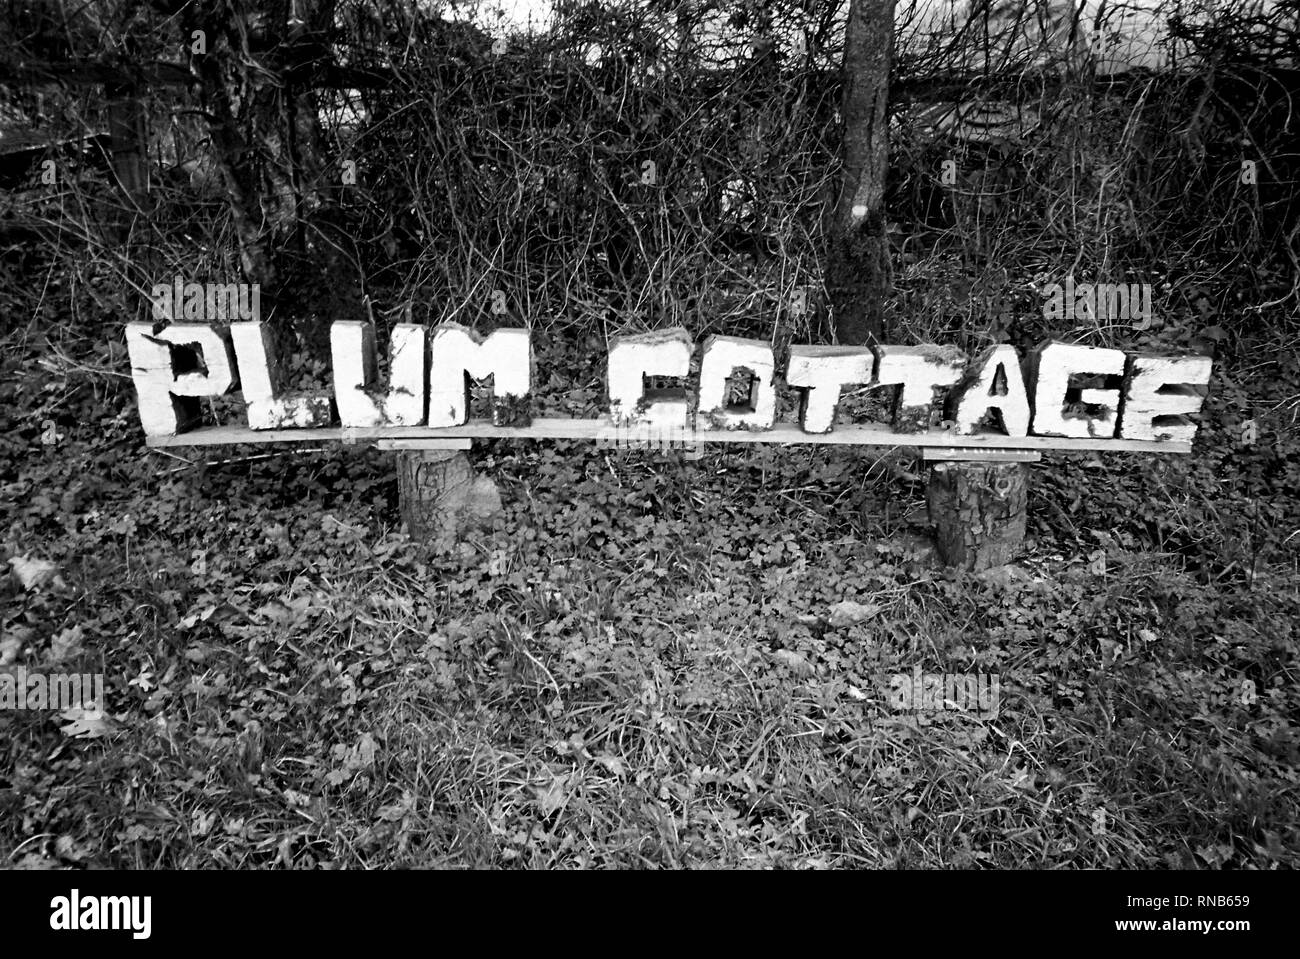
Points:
x=173 y=368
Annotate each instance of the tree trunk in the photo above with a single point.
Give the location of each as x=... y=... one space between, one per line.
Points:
x=264 y=129
x=440 y=496
x=857 y=267
x=978 y=512
x=128 y=134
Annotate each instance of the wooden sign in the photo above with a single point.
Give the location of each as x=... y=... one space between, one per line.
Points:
x=1061 y=396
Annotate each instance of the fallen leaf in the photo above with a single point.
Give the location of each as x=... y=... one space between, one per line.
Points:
x=69 y=848
x=396 y=812
x=10 y=646
x=85 y=723
x=1004 y=575
x=797 y=663
x=35 y=861
x=847 y=613
x=35 y=573
x=552 y=797
x=67 y=643
x=613 y=764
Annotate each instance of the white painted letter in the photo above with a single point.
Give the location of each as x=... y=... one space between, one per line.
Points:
x=921 y=370
x=268 y=407
x=356 y=368
x=1053 y=364
x=975 y=396
x=633 y=357
x=168 y=400
x=723 y=355
x=823 y=371
x=1158 y=393
x=458 y=353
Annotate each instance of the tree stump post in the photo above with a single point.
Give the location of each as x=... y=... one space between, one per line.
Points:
x=128 y=133
x=978 y=512
x=441 y=497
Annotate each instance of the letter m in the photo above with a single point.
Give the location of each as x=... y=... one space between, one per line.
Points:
x=223 y=301
x=65 y=690
x=1112 y=301
x=115 y=912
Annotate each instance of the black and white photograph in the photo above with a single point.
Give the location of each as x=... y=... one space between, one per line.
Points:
x=650 y=435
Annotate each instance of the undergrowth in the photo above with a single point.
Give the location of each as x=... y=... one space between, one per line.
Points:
x=640 y=665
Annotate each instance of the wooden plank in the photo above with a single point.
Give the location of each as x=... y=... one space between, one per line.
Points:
x=424 y=444
x=931 y=455
x=592 y=429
